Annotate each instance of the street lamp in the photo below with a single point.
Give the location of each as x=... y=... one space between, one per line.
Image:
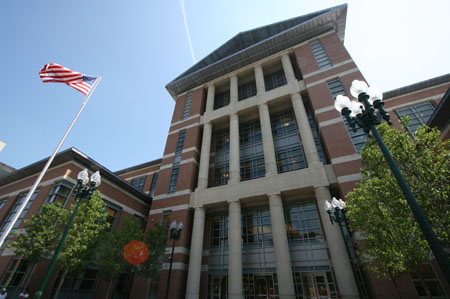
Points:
x=175 y=234
x=336 y=212
x=367 y=113
x=82 y=190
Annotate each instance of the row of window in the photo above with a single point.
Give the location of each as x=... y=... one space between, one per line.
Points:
x=59 y=194
x=139 y=183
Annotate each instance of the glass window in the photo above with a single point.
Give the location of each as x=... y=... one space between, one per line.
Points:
x=173 y=179
x=187 y=105
x=154 y=286
x=2 y=203
x=139 y=182
x=320 y=54
x=60 y=193
x=288 y=146
x=426 y=283
x=166 y=220
x=221 y=99
x=113 y=212
x=14 y=211
x=219 y=230
x=358 y=138
x=251 y=151
x=154 y=181
x=221 y=157
x=180 y=142
x=15 y=272
x=302 y=223
x=316 y=136
x=83 y=286
x=246 y=90
x=274 y=80
x=141 y=221
x=256 y=227
x=418 y=114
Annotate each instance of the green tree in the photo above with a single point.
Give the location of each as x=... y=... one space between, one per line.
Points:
x=46 y=228
x=155 y=239
x=377 y=208
x=79 y=248
x=110 y=249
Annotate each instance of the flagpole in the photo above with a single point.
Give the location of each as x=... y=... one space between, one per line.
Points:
x=47 y=165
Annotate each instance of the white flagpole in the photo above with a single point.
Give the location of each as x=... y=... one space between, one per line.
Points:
x=39 y=178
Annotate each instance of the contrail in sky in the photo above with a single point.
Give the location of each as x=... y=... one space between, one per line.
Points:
x=187 y=30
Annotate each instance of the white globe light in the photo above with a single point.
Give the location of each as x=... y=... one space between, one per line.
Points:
x=334 y=203
x=84 y=176
x=173 y=225
x=341 y=102
x=327 y=205
x=358 y=87
x=356 y=108
x=374 y=94
x=342 y=204
x=96 y=178
x=180 y=226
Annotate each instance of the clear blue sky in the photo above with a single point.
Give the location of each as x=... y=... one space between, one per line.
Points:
x=141 y=45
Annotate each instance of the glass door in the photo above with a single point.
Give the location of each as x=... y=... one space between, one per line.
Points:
x=315 y=285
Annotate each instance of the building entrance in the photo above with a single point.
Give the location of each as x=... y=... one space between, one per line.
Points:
x=217 y=288
x=315 y=285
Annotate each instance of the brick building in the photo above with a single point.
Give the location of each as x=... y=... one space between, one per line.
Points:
x=254 y=149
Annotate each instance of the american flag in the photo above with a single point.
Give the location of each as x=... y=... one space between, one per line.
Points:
x=53 y=72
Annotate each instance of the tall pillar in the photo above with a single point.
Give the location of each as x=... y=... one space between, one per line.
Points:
x=235 y=289
x=287 y=68
x=259 y=79
x=204 y=157
x=234 y=149
x=338 y=252
x=195 y=256
x=233 y=89
x=309 y=145
x=267 y=138
x=210 y=98
x=280 y=242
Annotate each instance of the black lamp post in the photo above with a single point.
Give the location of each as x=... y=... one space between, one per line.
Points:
x=367 y=114
x=82 y=190
x=336 y=212
x=175 y=234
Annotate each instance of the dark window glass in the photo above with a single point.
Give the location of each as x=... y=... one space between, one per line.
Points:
x=180 y=142
x=60 y=193
x=187 y=105
x=154 y=181
x=15 y=272
x=173 y=179
x=247 y=90
x=297 y=73
x=316 y=136
x=320 y=54
x=251 y=151
x=222 y=99
x=256 y=226
x=358 y=138
x=2 y=203
x=113 y=212
x=14 y=211
x=288 y=146
x=219 y=230
x=302 y=223
x=139 y=182
x=274 y=80
x=418 y=114
x=432 y=287
x=221 y=157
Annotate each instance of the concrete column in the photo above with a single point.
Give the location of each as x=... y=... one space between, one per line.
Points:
x=210 y=98
x=233 y=89
x=287 y=68
x=235 y=289
x=204 y=157
x=309 y=145
x=267 y=138
x=234 y=149
x=195 y=256
x=281 y=246
x=259 y=79
x=339 y=257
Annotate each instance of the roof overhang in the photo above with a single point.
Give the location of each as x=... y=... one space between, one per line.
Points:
x=209 y=69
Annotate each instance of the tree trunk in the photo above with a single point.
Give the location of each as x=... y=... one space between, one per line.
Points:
x=108 y=288
x=397 y=291
x=60 y=283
